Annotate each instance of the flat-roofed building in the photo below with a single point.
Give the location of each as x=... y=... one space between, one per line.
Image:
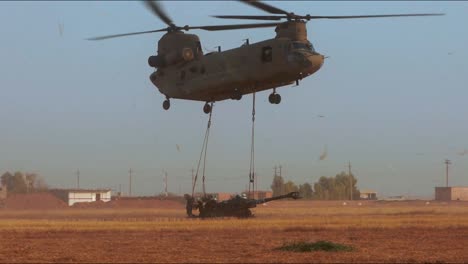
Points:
x=259 y=194
x=455 y=193
x=3 y=192
x=72 y=196
x=368 y=195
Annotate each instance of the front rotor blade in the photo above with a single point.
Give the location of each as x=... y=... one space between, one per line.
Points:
x=230 y=27
x=126 y=34
x=254 y=17
x=369 y=16
x=158 y=11
x=265 y=7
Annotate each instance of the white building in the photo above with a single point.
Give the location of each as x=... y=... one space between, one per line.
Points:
x=72 y=196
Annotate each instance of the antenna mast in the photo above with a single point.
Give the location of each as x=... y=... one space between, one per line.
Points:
x=447 y=163
x=78 y=178
x=350 y=181
x=130 y=182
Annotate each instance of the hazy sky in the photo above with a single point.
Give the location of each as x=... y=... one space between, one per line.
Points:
x=393 y=92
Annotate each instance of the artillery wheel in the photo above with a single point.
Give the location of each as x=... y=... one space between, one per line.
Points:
x=245 y=213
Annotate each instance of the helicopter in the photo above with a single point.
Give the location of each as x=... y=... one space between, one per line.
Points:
x=183 y=71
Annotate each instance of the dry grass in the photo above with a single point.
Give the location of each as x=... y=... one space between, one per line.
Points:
x=379 y=232
x=282 y=217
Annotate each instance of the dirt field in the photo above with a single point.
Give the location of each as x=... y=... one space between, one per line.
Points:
x=379 y=232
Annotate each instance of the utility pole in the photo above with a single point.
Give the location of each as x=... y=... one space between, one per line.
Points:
x=120 y=189
x=165 y=183
x=130 y=182
x=447 y=163
x=350 y=181
x=281 y=176
x=78 y=178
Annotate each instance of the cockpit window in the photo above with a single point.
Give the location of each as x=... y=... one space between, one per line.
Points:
x=199 y=49
x=303 y=46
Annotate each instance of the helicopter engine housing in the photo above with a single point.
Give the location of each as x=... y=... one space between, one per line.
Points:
x=176 y=47
x=173 y=57
x=156 y=61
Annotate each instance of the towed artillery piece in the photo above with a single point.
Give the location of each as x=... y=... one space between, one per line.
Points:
x=236 y=206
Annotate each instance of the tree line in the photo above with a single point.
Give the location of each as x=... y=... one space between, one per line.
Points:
x=326 y=188
x=19 y=182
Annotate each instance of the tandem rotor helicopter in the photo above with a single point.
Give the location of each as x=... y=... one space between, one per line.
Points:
x=182 y=71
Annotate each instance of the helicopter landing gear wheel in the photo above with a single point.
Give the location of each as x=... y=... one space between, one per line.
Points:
x=166 y=104
x=277 y=98
x=207 y=108
x=274 y=98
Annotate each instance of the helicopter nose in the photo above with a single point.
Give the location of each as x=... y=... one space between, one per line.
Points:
x=315 y=62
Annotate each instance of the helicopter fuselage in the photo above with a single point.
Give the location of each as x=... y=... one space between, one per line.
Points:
x=253 y=67
x=182 y=71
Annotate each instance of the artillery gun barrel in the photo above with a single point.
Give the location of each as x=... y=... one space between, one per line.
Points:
x=293 y=195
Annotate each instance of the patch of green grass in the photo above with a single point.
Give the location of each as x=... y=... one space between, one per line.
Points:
x=316 y=246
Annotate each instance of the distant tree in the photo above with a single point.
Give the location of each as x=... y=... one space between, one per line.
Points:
x=23 y=183
x=336 y=188
x=305 y=190
x=290 y=187
x=30 y=180
x=19 y=183
x=277 y=186
x=6 y=179
x=321 y=189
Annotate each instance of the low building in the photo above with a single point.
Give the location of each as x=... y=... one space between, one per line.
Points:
x=259 y=194
x=223 y=196
x=368 y=195
x=3 y=192
x=456 y=193
x=72 y=196
x=395 y=198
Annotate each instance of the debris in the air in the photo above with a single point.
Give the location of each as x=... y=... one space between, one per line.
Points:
x=61 y=28
x=463 y=153
x=324 y=154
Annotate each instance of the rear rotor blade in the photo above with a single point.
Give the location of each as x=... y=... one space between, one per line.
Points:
x=368 y=16
x=231 y=27
x=254 y=17
x=156 y=8
x=126 y=34
x=265 y=7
